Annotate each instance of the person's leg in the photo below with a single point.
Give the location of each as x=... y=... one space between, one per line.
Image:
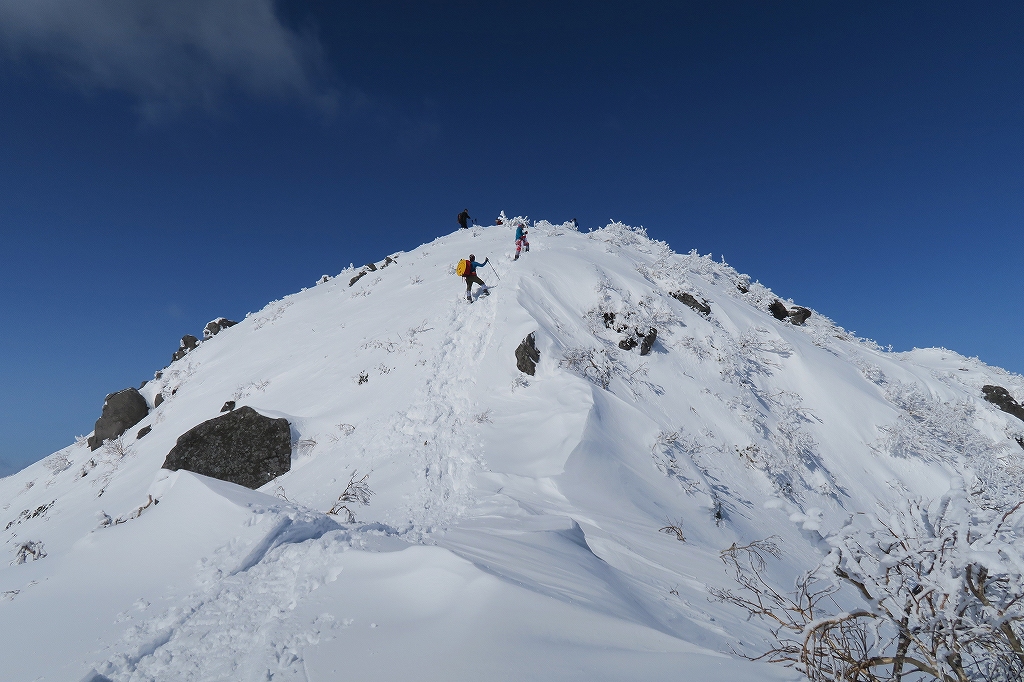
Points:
x=526 y=244
x=519 y=246
x=469 y=288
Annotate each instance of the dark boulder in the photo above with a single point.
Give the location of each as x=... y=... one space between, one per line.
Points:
x=799 y=315
x=648 y=341
x=628 y=343
x=778 y=309
x=683 y=297
x=158 y=400
x=1020 y=440
x=121 y=411
x=242 y=447
x=371 y=267
x=356 y=278
x=1001 y=398
x=188 y=344
x=214 y=327
x=228 y=406
x=143 y=432
x=527 y=355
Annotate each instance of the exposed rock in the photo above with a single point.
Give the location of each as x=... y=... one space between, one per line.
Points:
x=799 y=315
x=242 y=447
x=228 y=406
x=683 y=297
x=371 y=267
x=214 y=327
x=609 y=321
x=143 y=384
x=121 y=411
x=648 y=341
x=324 y=280
x=388 y=261
x=527 y=355
x=743 y=284
x=1020 y=441
x=157 y=400
x=628 y=343
x=778 y=309
x=356 y=278
x=188 y=344
x=143 y=432
x=1001 y=398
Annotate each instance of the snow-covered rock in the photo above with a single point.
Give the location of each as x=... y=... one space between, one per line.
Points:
x=514 y=529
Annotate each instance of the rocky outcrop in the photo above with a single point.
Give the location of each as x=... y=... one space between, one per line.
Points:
x=690 y=300
x=214 y=327
x=527 y=355
x=143 y=432
x=242 y=447
x=121 y=411
x=648 y=341
x=188 y=344
x=1001 y=398
x=778 y=309
x=356 y=278
x=158 y=400
x=799 y=315
x=228 y=406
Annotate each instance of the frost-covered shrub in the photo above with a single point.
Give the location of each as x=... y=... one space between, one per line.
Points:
x=922 y=591
x=57 y=463
x=356 y=492
x=594 y=364
x=29 y=550
x=749 y=355
x=938 y=430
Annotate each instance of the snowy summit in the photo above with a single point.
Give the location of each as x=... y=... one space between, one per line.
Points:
x=561 y=480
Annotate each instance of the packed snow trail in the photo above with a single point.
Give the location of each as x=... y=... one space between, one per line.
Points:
x=514 y=530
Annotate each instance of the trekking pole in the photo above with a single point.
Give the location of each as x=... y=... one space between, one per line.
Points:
x=495 y=271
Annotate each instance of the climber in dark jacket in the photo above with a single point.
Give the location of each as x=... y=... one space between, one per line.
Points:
x=471 y=278
x=464 y=219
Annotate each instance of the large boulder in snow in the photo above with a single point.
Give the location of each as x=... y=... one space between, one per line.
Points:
x=527 y=355
x=778 y=309
x=798 y=315
x=242 y=447
x=121 y=411
x=691 y=300
x=1001 y=398
x=188 y=344
x=647 y=342
x=214 y=327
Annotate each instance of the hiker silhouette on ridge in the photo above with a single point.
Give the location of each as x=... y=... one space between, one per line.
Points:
x=464 y=219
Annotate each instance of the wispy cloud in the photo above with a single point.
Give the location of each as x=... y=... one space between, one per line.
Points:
x=169 y=54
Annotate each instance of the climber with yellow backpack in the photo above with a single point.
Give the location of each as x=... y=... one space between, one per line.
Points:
x=467 y=270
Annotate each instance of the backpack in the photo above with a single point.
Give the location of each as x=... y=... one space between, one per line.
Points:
x=462 y=269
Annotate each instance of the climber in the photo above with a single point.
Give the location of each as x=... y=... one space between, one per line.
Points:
x=471 y=278
x=521 y=240
x=464 y=219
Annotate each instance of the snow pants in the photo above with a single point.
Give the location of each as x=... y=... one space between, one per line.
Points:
x=520 y=243
x=471 y=280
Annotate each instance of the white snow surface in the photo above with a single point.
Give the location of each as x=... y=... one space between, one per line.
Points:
x=513 y=533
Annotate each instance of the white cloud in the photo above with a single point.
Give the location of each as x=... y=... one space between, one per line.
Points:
x=167 y=53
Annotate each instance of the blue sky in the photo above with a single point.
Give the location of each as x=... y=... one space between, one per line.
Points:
x=162 y=164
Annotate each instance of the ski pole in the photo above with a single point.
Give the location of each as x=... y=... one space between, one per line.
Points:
x=495 y=271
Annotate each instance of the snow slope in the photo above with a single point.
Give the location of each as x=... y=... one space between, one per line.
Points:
x=514 y=528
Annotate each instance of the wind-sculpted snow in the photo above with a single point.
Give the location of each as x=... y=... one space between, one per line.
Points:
x=513 y=529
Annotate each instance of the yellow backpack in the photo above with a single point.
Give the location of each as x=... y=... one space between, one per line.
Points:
x=462 y=268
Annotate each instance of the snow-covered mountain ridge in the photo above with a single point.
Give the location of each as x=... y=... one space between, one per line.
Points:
x=514 y=528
